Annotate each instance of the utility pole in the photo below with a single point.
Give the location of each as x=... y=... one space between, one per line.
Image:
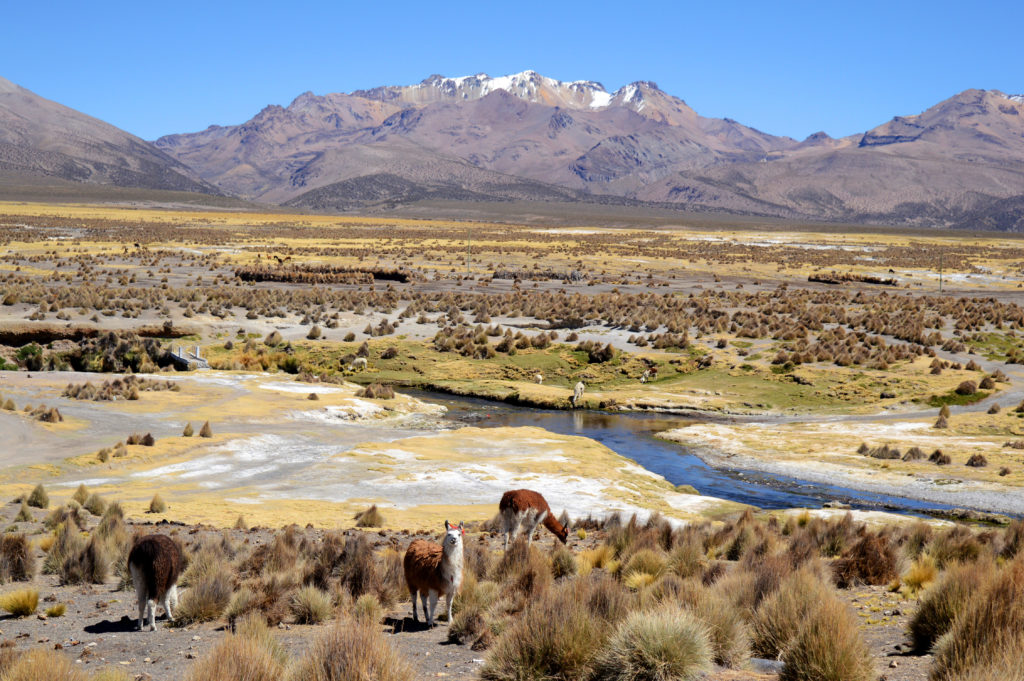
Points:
x=469 y=241
x=940 y=272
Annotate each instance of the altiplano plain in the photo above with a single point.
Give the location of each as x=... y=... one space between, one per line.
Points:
x=278 y=382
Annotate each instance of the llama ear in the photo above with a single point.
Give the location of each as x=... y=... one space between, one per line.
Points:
x=447 y=526
x=462 y=528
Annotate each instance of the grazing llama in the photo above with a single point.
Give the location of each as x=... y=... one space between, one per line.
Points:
x=577 y=393
x=538 y=379
x=432 y=570
x=526 y=508
x=155 y=562
x=646 y=376
x=359 y=363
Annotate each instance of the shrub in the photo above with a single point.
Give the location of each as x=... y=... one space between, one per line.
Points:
x=646 y=561
x=38 y=498
x=57 y=610
x=555 y=637
x=67 y=543
x=188 y=430
x=828 y=647
x=206 y=599
x=977 y=461
x=157 y=504
x=727 y=629
x=24 y=515
x=367 y=609
x=310 y=605
x=72 y=513
x=371 y=517
x=238 y=657
x=779 y=617
x=90 y=565
x=941 y=604
x=17 y=560
x=81 y=495
x=956 y=545
x=942 y=422
x=240 y=523
x=991 y=627
x=563 y=562
x=206 y=430
x=914 y=454
x=273 y=339
x=95 y=504
x=967 y=388
x=377 y=391
x=314 y=332
x=147 y=440
x=666 y=644
x=351 y=650
x=921 y=573
x=20 y=603
x=41 y=664
x=872 y=560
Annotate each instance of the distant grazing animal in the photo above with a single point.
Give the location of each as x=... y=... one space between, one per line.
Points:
x=646 y=376
x=358 y=363
x=577 y=393
x=538 y=378
x=432 y=570
x=155 y=562
x=526 y=508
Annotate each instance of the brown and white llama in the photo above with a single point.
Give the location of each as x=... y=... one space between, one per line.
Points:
x=526 y=508
x=155 y=563
x=432 y=570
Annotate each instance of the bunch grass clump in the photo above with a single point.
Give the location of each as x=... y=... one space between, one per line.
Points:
x=310 y=605
x=371 y=517
x=663 y=645
x=351 y=650
x=828 y=647
x=20 y=603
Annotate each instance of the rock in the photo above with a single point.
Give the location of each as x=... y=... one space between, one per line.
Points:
x=893 y=664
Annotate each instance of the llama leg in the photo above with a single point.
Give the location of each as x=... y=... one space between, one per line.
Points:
x=151 y=605
x=413 y=592
x=433 y=607
x=170 y=597
x=506 y=525
x=140 y=592
x=426 y=610
x=451 y=598
x=537 y=521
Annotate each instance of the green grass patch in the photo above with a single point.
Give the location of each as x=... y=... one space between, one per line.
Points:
x=955 y=399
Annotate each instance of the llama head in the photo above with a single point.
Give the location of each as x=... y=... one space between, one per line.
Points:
x=453 y=536
x=563 y=533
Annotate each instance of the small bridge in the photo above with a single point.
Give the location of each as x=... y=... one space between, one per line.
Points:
x=189 y=360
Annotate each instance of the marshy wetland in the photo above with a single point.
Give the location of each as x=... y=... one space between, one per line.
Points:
x=423 y=367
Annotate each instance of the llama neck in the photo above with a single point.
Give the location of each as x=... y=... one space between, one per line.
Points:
x=451 y=564
x=553 y=525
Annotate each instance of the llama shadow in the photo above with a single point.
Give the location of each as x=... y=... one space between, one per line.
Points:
x=409 y=625
x=123 y=625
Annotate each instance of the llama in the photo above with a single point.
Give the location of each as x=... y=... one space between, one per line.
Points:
x=577 y=393
x=155 y=562
x=432 y=570
x=538 y=379
x=359 y=363
x=526 y=508
x=646 y=376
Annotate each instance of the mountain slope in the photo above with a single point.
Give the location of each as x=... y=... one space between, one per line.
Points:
x=40 y=138
x=960 y=163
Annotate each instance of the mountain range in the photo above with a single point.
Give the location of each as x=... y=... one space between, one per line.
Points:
x=527 y=137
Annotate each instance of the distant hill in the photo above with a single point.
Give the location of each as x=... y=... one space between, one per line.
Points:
x=41 y=140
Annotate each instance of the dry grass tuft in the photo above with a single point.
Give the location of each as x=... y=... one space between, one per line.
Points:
x=371 y=517
x=38 y=497
x=828 y=647
x=206 y=599
x=941 y=604
x=368 y=609
x=238 y=657
x=779 y=617
x=310 y=605
x=989 y=628
x=157 y=504
x=20 y=603
x=41 y=664
x=351 y=650
x=17 y=559
x=663 y=645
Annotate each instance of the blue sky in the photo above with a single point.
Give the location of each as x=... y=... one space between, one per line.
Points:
x=788 y=68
